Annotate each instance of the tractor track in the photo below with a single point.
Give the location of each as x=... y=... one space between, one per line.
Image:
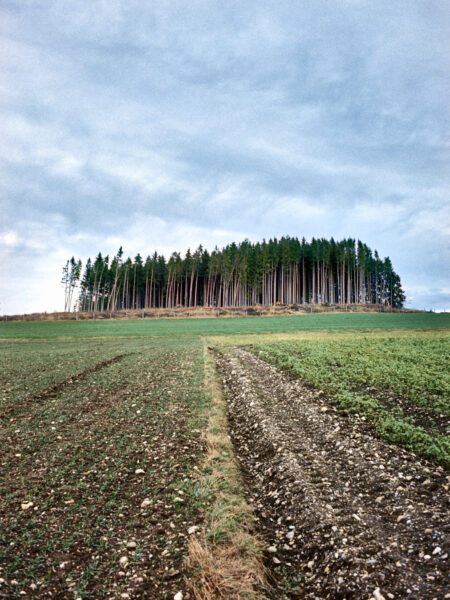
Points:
x=53 y=390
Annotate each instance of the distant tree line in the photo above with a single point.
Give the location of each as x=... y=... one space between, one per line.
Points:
x=285 y=271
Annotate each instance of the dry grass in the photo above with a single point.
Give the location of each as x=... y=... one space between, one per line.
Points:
x=222 y=572
x=197 y=312
x=226 y=559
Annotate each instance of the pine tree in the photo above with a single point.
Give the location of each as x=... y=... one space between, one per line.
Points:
x=286 y=271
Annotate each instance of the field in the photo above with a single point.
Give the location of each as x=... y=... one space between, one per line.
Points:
x=119 y=479
x=399 y=383
x=218 y=326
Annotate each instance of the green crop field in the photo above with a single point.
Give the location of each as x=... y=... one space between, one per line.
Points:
x=97 y=443
x=102 y=432
x=222 y=326
x=401 y=384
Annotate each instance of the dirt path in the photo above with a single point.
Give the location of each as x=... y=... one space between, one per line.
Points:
x=344 y=514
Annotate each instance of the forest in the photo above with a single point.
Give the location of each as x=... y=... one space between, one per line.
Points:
x=278 y=271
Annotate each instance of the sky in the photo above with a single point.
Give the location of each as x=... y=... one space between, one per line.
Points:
x=163 y=125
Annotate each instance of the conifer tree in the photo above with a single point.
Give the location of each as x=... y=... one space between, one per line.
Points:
x=285 y=271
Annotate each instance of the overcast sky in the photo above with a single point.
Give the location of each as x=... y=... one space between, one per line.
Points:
x=165 y=124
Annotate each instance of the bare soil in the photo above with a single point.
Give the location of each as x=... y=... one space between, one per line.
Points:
x=343 y=513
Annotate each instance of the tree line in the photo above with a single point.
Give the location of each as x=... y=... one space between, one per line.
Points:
x=285 y=271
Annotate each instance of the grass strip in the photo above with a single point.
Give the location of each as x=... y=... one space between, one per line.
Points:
x=226 y=558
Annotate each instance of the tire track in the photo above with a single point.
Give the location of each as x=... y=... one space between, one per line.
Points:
x=53 y=390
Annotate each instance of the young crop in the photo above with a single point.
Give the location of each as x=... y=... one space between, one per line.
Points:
x=401 y=384
x=101 y=440
x=93 y=453
x=221 y=326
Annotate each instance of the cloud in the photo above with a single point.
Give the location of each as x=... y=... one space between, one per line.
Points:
x=297 y=208
x=9 y=239
x=165 y=125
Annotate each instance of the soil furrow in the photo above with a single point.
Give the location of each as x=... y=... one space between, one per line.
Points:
x=53 y=390
x=350 y=516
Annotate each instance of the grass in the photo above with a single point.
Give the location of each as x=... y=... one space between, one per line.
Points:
x=228 y=326
x=226 y=557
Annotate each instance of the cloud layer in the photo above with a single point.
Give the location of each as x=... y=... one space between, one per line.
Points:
x=167 y=125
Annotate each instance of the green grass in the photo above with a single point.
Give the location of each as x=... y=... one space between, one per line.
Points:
x=402 y=384
x=221 y=326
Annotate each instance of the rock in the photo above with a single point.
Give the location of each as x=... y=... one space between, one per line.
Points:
x=290 y=535
x=378 y=595
x=146 y=502
x=139 y=471
x=276 y=561
x=173 y=573
x=26 y=505
x=193 y=529
x=131 y=545
x=437 y=550
x=272 y=549
x=178 y=596
x=123 y=561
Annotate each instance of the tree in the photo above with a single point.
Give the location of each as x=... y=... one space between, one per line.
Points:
x=70 y=279
x=287 y=270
